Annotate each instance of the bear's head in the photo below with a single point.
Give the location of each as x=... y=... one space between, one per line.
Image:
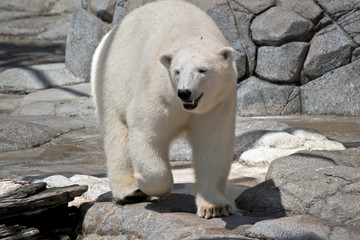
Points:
x=202 y=75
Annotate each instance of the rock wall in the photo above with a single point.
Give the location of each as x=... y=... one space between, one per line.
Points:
x=293 y=56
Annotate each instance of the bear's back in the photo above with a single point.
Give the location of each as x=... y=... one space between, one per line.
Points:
x=170 y=18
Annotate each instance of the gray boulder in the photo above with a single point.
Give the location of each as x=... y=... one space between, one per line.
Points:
x=350 y=23
x=278 y=25
x=256 y=6
x=104 y=9
x=305 y=8
x=303 y=227
x=336 y=92
x=330 y=48
x=281 y=64
x=338 y=8
x=85 y=34
x=31 y=78
x=259 y=98
x=316 y=183
x=355 y=54
x=346 y=14
x=224 y=18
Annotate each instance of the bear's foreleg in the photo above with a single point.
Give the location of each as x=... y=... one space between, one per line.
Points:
x=120 y=171
x=149 y=154
x=212 y=141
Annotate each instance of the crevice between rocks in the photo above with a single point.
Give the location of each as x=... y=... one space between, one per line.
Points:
x=247 y=67
x=327 y=14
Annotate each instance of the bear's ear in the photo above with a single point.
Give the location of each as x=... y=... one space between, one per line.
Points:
x=227 y=53
x=166 y=59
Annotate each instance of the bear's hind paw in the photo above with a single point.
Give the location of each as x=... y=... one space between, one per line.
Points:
x=210 y=210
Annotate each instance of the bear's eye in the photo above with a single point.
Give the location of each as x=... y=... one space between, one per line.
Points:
x=202 y=70
x=177 y=72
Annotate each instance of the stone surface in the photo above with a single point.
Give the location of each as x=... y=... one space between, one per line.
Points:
x=41 y=22
x=282 y=63
x=58 y=94
x=84 y=36
x=336 y=92
x=302 y=227
x=9 y=102
x=31 y=78
x=103 y=9
x=243 y=20
x=8 y=186
x=320 y=183
x=78 y=106
x=33 y=206
x=256 y=6
x=351 y=23
x=225 y=20
x=338 y=8
x=330 y=48
x=305 y=8
x=161 y=220
x=259 y=98
x=31 y=131
x=284 y=142
x=278 y=25
x=96 y=186
x=16 y=54
x=76 y=152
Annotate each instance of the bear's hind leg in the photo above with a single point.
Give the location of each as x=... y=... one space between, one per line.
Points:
x=119 y=167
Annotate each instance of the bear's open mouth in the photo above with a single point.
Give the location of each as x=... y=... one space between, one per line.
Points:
x=193 y=104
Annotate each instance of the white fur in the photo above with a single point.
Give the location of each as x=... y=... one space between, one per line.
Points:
x=135 y=87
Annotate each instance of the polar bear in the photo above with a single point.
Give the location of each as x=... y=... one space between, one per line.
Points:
x=166 y=70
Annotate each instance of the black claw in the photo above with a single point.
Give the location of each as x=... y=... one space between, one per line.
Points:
x=136 y=197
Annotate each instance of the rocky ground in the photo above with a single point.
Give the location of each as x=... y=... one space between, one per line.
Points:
x=49 y=133
x=293 y=177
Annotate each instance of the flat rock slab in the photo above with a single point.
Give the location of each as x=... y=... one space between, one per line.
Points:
x=172 y=218
x=76 y=152
x=31 y=78
x=31 y=131
x=304 y=227
x=35 y=198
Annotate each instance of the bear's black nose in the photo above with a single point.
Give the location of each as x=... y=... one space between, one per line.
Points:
x=184 y=94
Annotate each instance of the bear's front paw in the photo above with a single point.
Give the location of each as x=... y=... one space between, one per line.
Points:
x=215 y=210
x=219 y=206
